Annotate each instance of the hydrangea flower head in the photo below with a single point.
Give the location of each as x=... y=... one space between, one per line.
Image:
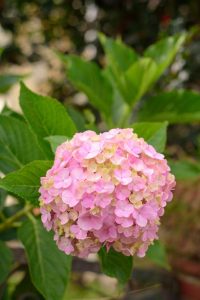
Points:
x=108 y=189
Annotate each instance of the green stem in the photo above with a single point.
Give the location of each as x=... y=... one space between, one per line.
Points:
x=3 y=218
x=108 y=121
x=125 y=117
x=10 y=221
x=110 y=124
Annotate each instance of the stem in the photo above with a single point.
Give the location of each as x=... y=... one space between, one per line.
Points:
x=3 y=218
x=10 y=221
x=110 y=124
x=125 y=117
x=108 y=121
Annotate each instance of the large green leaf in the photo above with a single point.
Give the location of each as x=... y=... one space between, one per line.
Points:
x=115 y=264
x=18 y=145
x=164 y=51
x=6 y=259
x=153 y=133
x=7 y=81
x=26 y=181
x=175 y=107
x=137 y=80
x=136 y=76
x=88 y=78
x=119 y=56
x=185 y=170
x=49 y=267
x=46 y=116
x=157 y=254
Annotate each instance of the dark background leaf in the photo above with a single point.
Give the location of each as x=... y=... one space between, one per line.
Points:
x=6 y=259
x=115 y=264
x=185 y=170
x=175 y=107
x=90 y=80
x=158 y=254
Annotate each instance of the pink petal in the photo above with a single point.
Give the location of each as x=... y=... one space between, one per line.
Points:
x=69 y=198
x=64 y=218
x=88 y=222
x=141 y=221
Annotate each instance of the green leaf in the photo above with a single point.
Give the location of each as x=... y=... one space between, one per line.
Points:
x=26 y=181
x=185 y=170
x=119 y=56
x=56 y=140
x=137 y=80
x=119 y=105
x=175 y=107
x=9 y=234
x=90 y=79
x=115 y=264
x=22 y=287
x=77 y=118
x=6 y=111
x=7 y=81
x=6 y=259
x=157 y=254
x=164 y=51
x=3 y=196
x=46 y=116
x=49 y=267
x=153 y=133
x=144 y=72
x=18 y=145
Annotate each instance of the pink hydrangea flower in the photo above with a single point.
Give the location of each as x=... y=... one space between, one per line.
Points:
x=108 y=189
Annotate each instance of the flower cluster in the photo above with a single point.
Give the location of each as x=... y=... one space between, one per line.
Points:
x=108 y=189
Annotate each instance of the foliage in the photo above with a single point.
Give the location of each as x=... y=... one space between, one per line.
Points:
x=123 y=95
x=115 y=264
x=19 y=146
x=25 y=182
x=185 y=169
x=7 y=80
x=6 y=259
x=157 y=254
x=52 y=266
x=129 y=79
x=172 y=106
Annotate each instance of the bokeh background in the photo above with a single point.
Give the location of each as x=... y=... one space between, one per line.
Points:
x=31 y=32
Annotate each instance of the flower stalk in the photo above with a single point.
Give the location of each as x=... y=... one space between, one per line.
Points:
x=9 y=222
